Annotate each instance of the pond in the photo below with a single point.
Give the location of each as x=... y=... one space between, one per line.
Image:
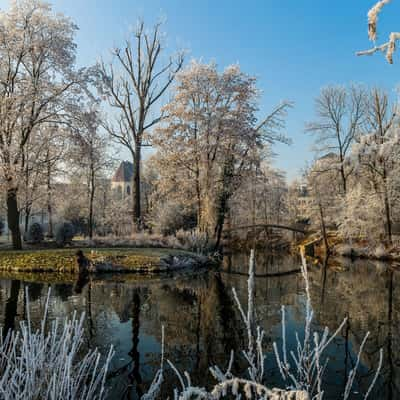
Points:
x=202 y=324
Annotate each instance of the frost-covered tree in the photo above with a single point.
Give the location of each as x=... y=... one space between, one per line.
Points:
x=42 y=156
x=134 y=83
x=325 y=203
x=37 y=55
x=376 y=153
x=340 y=115
x=89 y=156
x=390 y=46
x=361 y=216
x=211 y=135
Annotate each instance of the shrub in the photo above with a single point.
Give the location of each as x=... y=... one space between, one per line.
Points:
x=380 y=252
x=50 y=362
x=172 y=217
x=35 y=233
x=195 y=241
x=64 y=234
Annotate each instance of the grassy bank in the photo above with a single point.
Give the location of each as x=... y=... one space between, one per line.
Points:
x=313 y=246
x=64 y=260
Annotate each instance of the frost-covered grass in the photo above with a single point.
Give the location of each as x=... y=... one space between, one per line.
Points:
x=46 y=363
x=301 y=368
x=194 y=241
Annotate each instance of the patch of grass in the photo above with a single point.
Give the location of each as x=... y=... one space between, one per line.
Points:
x=64 y=260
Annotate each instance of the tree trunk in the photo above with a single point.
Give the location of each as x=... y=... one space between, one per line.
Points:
x=49 y=207
x=387 y=206
x=27 y=215
x=13 y=218
x=388 y=218
x=198 y=197
x=223 y=201
x=137 y=212
x=323 y=229
x=91 y=199
x=343 y=174
x=218 y=229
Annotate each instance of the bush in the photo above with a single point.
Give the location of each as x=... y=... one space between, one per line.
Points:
x=35 y=233
x=50 y=363
x=380 y=252
x=64 y=234
x=195 y=241
x=172 y=217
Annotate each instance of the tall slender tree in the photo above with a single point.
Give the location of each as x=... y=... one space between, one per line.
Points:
x=89 y=156
x=134 y=82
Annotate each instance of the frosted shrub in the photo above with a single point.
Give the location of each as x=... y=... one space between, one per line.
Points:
x=44 y=363
x=35 y=233
x=170 y=217
x=301 y=368
x=64 y=234
x=380 y=252
x=195 y=241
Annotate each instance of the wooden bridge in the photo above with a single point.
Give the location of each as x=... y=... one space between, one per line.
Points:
x=294 y=228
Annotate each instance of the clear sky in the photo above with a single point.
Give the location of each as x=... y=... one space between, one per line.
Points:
x=294 y=47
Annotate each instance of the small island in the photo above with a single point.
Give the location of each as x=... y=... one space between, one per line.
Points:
x=144 y=260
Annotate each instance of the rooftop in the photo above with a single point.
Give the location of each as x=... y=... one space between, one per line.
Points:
x=124 y=173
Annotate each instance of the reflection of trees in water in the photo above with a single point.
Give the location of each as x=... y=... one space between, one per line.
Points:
x=11 y=307
x=134 y=375
x=202 y=324
x=366 y=294
x=63 y=291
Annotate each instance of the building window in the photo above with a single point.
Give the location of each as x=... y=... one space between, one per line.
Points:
x=128 y=190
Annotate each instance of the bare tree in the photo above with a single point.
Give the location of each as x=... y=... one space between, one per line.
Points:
x=134 y=83
x=341 y=113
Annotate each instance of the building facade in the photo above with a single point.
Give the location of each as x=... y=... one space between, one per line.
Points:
x=121 y=182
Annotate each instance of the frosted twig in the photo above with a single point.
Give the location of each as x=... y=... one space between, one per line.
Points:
x=46 y=364
x=388 y=47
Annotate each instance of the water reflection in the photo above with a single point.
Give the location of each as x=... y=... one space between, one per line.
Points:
x=202 y=324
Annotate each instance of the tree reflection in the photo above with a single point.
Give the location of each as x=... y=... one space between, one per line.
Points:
x=11 y=307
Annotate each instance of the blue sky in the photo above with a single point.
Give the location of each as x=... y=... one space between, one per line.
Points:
x=294 y=47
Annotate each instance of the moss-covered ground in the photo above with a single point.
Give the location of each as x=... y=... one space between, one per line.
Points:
x=64 y=260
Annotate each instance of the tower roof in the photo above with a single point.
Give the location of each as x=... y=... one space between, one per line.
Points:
x=124 y=173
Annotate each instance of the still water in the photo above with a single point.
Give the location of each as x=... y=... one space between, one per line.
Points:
x=202 y=324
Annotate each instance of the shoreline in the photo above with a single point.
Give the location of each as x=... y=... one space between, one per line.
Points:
x=102 y=260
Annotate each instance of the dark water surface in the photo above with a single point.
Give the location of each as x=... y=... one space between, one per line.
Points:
x=202 y=324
